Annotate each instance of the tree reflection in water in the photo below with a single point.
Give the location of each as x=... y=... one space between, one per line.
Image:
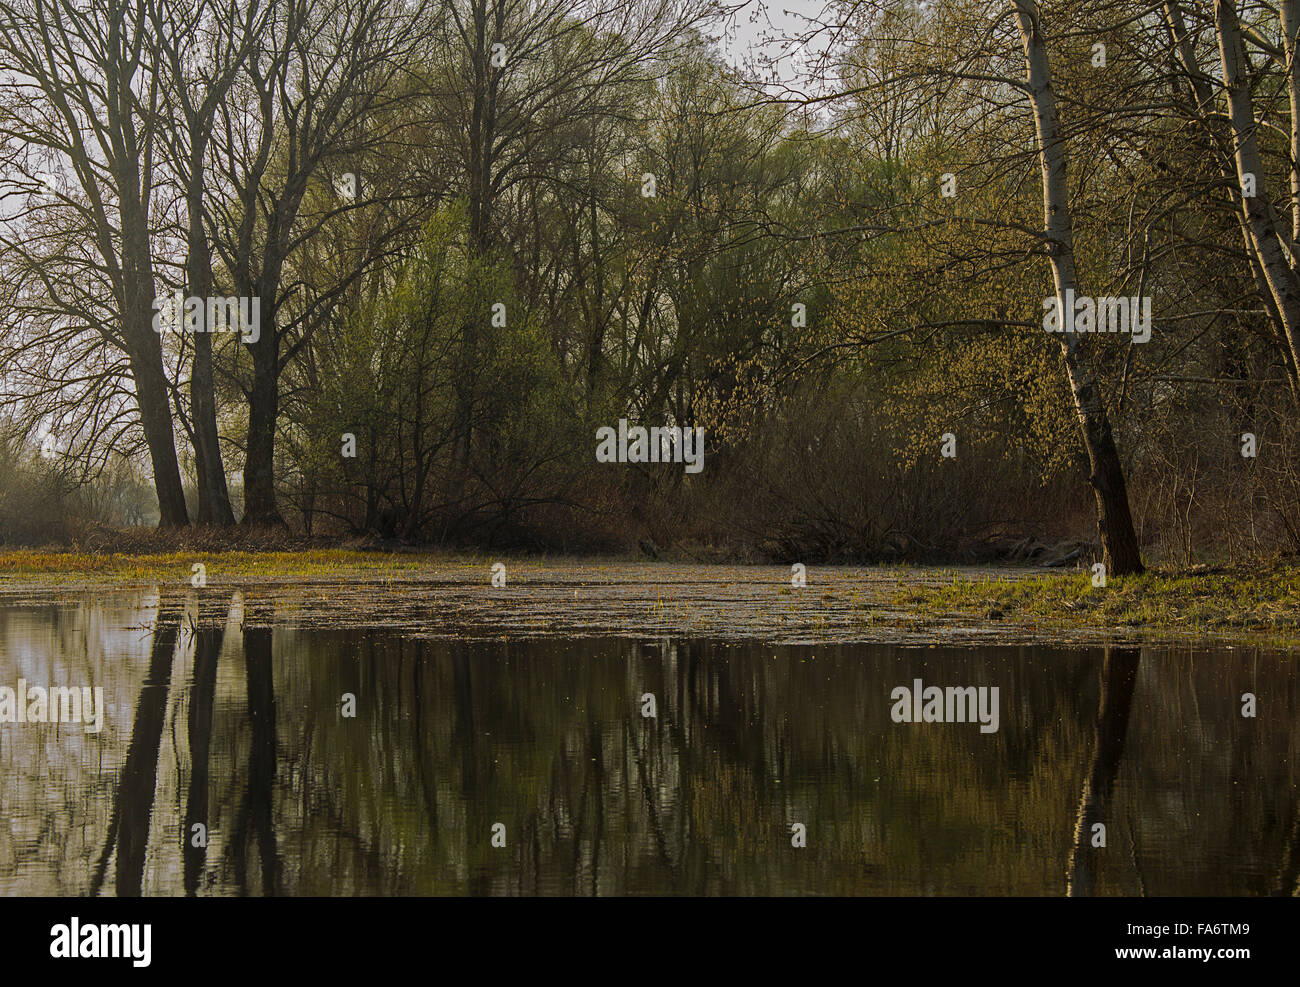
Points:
x=547 y=738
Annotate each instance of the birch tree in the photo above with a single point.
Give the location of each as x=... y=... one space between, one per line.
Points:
x=1121 y=555
x=1271 y=243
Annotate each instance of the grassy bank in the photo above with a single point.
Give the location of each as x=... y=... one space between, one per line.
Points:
x=1253 y=602
x=1201 y=599
x=118 y=567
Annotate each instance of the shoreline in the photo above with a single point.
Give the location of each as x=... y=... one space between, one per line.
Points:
x=443 y=594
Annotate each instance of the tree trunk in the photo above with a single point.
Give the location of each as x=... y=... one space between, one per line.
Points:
x=1265 y=236
x=145 y=350
x=1121 y=554
x=260 y=506
x=155 y=413
x=1289 y=10
x=1206 y=117
x=214 y=496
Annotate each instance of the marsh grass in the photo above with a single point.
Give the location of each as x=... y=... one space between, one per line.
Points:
x=1200 y=599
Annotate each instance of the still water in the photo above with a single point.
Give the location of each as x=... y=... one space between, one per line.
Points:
x=227 y=764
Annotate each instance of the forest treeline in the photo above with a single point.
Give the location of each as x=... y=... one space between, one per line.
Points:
x=476 y=232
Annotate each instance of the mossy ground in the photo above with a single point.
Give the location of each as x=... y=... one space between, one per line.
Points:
x=1199 y=600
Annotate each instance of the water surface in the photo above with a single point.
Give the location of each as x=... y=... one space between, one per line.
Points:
x=240 y=732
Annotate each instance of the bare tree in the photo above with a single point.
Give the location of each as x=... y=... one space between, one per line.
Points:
x=81 y=106
x=321 y=70
x=197 y=50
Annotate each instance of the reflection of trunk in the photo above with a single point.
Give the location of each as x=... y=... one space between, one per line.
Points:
x=598 y=766
x=1119 y=675
x=422 y=738
x=478 y=830
x=648 y=792
x=591 y=760
x=1114 y=521
x=135 y=791
x=207 y=649
x=258 y=802
x=1288 y=879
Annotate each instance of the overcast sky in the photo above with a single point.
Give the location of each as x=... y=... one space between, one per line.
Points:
x=759 y=27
